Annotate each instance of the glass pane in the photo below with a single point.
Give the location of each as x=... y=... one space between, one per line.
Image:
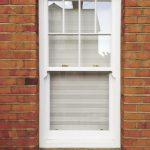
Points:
x=71 y=16
x=104 y=19
x=95 y=50
x=87 y=16
x=55 y=15
x=79 y=101
x=63 y=50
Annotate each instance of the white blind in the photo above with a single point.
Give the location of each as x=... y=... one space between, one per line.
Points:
x=55 y=18
x=79 y=101
x=63 y=50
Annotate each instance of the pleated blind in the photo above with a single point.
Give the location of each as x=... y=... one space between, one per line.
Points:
x=79 y=101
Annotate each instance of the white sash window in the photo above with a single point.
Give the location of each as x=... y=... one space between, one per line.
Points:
x=79 y=73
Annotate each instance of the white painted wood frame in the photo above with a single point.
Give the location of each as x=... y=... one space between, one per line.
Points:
x=79 y=139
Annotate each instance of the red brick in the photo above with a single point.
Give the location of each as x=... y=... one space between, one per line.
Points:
x=6 y=9
x=143 y=125
x=18 y=142
x=145 y=133
x=136 y=64
x=130 y=38
x=129 y=73
x=7 y=28
x=22 y=19
x=143 y=73
x=128 y=125
x=30 y=64
x=144 y=55
x=143 y=3
x=130 y=2
x=28 y=9
x=132 y=99
x=4 y=134
x=146 y=11
x=133 y=116
x=133 y=11
x=143 y=38
x=22 y=2
x=26 y=28
x=134 y=82
x=147 y=81
x=136 y=116
x=7 y=116
x=17 y=28
x=18 y=54
x=18 y=99
x=24 y=37
x=14 y=72
x=146 y=28
x=144 y=19
x=18 y=90
x=19 y=125
x=146 y=99
x=4 y=19
x=136 y=90
x=18 y=62
x=133 y=28
x=137 y=142
x=137 y=73
x=14 y=45
x=129 y=107
x=18 y=9
x=145 y=64
x=11 y=64
x=146 y=46
x=128 y=142
x=5 y=37
x=24 y=108
x=132 y=46
x=131 y=20
x=132 y=133
x=7 y=81
x=144 y=108
x=133 y=148
x=5 y=108
x=31 y=81
x=4 y=2
x=16 y=134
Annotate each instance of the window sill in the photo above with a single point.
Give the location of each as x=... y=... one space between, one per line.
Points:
x=103 y=69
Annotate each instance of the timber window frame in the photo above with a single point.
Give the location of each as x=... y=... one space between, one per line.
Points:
x=79 y=139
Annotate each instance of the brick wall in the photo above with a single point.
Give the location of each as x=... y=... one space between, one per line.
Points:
x=136 y=75
x=18 y=75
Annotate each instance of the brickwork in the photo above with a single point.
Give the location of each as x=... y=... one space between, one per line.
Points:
x=136 y=75
x=18 y=75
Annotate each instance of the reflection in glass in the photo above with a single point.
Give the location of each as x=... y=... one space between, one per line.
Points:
x=87 y=16
x=104 y=11
x=63 y=50
x=92 y=52
x=55 y=16
x=95 y=18
x=71 y=16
